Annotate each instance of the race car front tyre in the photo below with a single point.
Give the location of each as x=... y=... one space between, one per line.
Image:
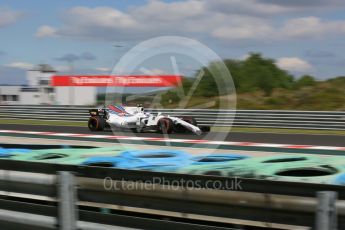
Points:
x=205 y=129
x=180 y=129
x=190 y=120
x=165 y=126
x=137 y=130
x=96 y=123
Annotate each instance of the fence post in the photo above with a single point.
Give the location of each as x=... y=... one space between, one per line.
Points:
x=326 y=213
x=67 y=209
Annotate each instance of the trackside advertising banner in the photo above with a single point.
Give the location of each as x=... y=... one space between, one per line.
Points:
x=115 y=80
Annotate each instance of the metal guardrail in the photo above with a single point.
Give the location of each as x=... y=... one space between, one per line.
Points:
x=327 y=120
x=48 y=196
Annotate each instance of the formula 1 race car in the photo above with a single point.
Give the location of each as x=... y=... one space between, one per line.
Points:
x=137 y=120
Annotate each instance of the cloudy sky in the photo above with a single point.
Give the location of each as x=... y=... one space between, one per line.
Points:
x=304 y=36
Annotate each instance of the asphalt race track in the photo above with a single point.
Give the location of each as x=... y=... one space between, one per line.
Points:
x=298 y=139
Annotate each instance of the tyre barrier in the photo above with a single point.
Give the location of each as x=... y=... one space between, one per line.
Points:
x=68 y=156
x=199 y=161
x=312 y=173
x=213 y=164
x=155 y=160
x=304 y=168
x=339 y=180
x=49 y=155
x=103 y=161
x=335 y=160
x=41 y=147
x=218 y=158
x=220 y=169
x=340 y=163
x=247 y=167
x=155 y=155
x=9 y=152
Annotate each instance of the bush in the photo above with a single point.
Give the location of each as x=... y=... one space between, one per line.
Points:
x=305 y=81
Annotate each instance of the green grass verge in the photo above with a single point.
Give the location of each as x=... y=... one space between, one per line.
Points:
x=275 y=130
x=42 y=122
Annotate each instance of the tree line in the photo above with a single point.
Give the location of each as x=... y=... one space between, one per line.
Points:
x=261 y=84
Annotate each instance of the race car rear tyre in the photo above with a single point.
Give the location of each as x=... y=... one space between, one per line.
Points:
x=96 y=123
x=165 y=126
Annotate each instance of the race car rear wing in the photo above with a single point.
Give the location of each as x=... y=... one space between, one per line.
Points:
x=96 y=112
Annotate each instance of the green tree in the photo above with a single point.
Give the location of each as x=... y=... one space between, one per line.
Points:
x=170 y=97
x=234 y=67
x=262 y=73
x=305 y=80
x=250 y=75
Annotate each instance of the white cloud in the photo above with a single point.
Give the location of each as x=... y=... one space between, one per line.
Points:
x=248 y=7
x=8 y=16
x=101 y=16
x=296 y=28
x=63 y=68
x=229 y=20
x=154 y=72
x=154 y=19
x=304 y=27
x=103 y=69
x=169 y=12
x=312 y=27
x=101 y=23
x=244 y=57
x=269 y=8
x=249 y=30
x=294 y=64
x=299 y=5
x=20 y=65
x=45 y=31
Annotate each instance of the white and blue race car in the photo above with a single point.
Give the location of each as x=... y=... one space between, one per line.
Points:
x=138 y=120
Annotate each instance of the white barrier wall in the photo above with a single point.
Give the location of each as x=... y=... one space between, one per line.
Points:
x=9 y=95
x=30 y=98
x=37 y=78
x=75 y=95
